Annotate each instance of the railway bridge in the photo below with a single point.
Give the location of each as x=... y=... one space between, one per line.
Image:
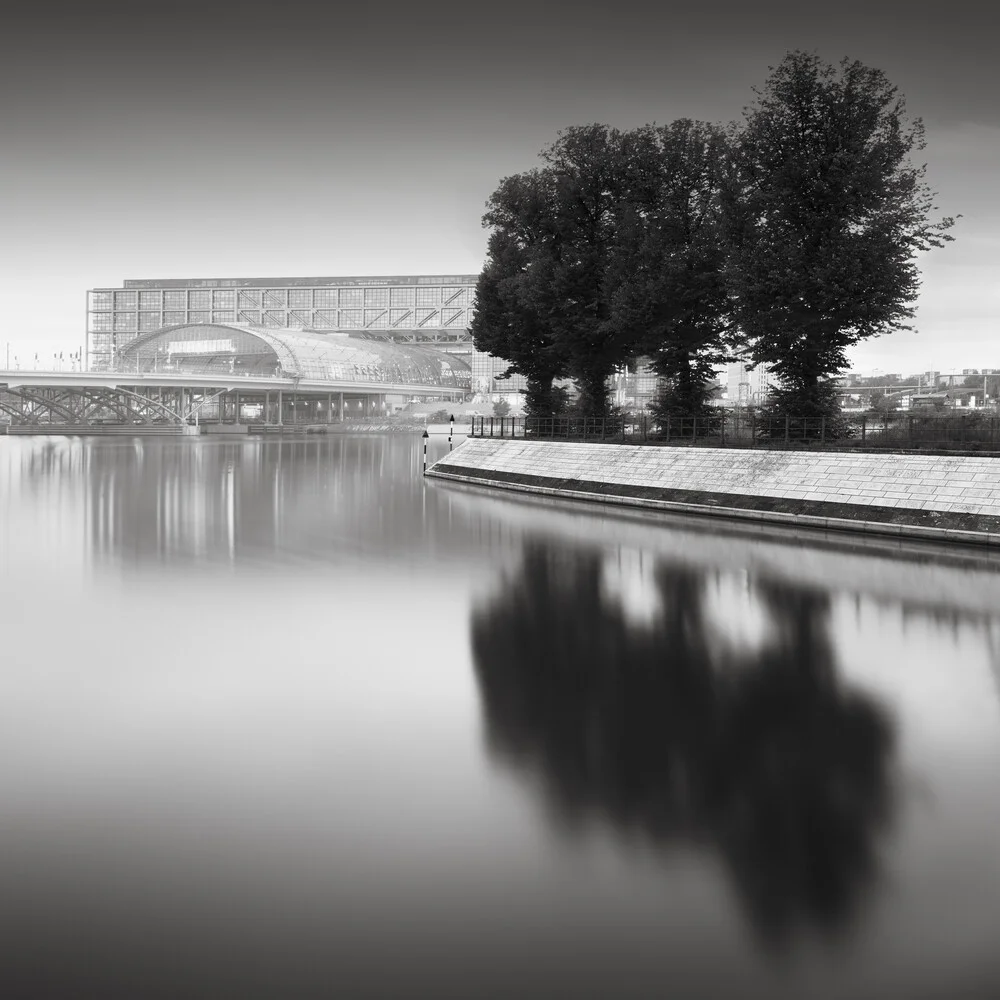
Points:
x=212 y=373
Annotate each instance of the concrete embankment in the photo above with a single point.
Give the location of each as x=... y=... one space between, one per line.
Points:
x=913 y=496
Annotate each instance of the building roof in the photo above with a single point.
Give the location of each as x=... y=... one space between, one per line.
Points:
x=356 y=281
x=300 y=353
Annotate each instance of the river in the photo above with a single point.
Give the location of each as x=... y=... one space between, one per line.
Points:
x=282 y=719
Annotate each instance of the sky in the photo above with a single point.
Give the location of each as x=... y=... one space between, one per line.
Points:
x=181 y=139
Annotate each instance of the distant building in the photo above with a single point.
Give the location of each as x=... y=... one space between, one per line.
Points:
x=930 y=401
x=746 y=386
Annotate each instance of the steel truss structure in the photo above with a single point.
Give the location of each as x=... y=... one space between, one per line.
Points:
x=81 y=400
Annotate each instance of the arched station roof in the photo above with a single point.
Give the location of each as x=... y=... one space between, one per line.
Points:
x=296 y=353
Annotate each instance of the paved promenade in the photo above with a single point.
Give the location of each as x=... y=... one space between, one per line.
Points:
x=910 y=495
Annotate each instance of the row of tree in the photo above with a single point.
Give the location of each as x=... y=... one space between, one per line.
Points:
x=785 y=238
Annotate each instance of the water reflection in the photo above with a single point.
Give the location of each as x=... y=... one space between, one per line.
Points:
x=662 y=729
x=230 y=501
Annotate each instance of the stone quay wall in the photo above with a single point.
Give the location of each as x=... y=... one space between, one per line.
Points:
x=953 y=496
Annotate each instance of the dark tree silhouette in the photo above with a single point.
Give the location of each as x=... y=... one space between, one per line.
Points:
x=828 y=220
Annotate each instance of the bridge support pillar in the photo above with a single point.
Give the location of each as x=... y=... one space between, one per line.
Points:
x=329 y=407
x=280 y=420
x=341 y=417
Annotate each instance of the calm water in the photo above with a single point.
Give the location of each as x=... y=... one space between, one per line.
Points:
x=283 y=719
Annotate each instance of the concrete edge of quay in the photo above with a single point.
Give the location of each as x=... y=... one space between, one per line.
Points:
x=708 y=510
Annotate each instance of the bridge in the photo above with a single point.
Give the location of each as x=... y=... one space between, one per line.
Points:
x=230 y=374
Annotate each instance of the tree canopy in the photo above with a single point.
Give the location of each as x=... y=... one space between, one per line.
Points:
x=831 y=213
x=787 y=238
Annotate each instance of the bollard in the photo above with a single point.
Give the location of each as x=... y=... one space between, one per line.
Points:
x=426 y=436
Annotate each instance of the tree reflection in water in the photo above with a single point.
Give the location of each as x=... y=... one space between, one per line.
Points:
x=663 y=730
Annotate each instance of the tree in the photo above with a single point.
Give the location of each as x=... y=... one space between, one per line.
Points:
x=671 y=288
x=501 y=408
x=587 y=167
x=543 y=298
x=828 y=216
x=510 y=319
x=883 y=402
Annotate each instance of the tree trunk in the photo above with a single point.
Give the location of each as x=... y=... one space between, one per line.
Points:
x=539 y=397
x=593 y=386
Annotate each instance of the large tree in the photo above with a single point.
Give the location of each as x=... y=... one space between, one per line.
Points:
x=829 y=217
x=671 y=290
x=543 y=298
x=587 y=165
x=513 y=309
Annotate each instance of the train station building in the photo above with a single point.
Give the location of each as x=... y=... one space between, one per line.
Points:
x=429 y=311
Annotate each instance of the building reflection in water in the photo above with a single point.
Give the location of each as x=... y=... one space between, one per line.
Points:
x=230 y=501
x=664 y=730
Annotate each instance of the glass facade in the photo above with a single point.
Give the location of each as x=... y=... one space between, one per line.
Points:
x=409 y=308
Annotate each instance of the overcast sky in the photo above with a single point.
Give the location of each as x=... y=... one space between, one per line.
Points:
x=182 y=139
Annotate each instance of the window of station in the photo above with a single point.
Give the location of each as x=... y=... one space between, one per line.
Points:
x=428 y=296
x=300 y=298
x=149 y=300
x=224 y=316
x=175 y=300
x=274 y=318
x=326 y=298
x=174 y=317
x=326 y=319
x=200 y=300
x=402 y=297
x=149 y=321
x=350 y=317
x=124 y=320
x=200 y=316
x=251 y=316
x=376 y=297
x=100 y=321
x=351 y=298
x=224 y=298
x=274 y=298
x=101 y=300
x=376 y=317
x=125 y=300
x=249 y=300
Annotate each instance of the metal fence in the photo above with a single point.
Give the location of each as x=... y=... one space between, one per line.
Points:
x=748 y=428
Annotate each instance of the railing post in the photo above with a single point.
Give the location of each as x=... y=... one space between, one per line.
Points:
x=864 y=427
x=788 y=428
x=822 y=430
x=909 y=430
x=602 y=428
x=491 y=427
x=668 y=428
